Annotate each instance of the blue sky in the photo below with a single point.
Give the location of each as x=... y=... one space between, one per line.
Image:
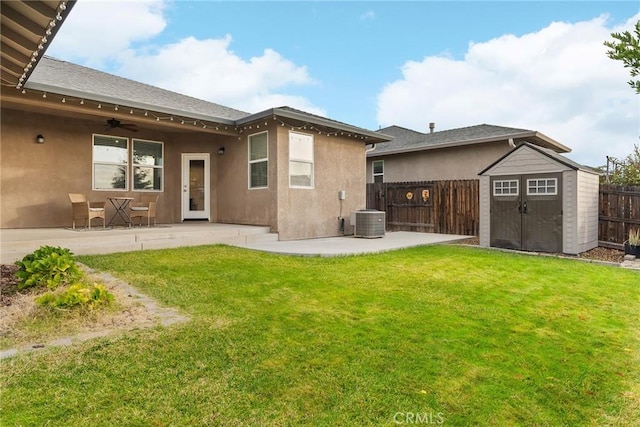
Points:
x=535 y=65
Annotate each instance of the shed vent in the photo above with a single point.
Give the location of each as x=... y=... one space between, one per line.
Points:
x=370 y=223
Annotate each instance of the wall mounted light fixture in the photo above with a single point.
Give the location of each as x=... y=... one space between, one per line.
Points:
x=40 y=139
x=221 y=151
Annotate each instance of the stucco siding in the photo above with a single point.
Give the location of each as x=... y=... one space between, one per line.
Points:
x=443 y=164
x=238 y=204
x=339 y=164
x=37 y=178
x=485 y=211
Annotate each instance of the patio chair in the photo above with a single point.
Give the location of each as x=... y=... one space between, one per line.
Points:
x=83 y=209
x=145 y=208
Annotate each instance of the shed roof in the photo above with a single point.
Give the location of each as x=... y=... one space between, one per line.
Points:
x=407 y=140
x=546 y=152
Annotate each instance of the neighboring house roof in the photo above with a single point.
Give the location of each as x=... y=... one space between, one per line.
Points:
x=548 y=153
x=406 y=140
x=28 y=27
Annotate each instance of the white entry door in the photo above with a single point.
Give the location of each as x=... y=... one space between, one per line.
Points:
x=195 y=186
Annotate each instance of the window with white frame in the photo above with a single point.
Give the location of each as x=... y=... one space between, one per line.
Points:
x=147 y=165
x=542 y=186
x=111 y=159
x=110 y=162
x=258 y=160
x=300 y=160
x=378 y=170
x=507 y=187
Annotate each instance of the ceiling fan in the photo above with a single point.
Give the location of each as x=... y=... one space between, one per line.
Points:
x=114 y=123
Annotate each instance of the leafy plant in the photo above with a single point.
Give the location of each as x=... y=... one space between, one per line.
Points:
x=626 y=48
x=49 y=267
x=634 y=237
x=79 y=294
x=624 y=172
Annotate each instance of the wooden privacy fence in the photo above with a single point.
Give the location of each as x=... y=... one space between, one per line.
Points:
x=448 y=207
x=452 y=207
x=619 y=212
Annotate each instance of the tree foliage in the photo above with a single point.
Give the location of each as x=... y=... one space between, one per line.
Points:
x=626 y=48
x=627 y=171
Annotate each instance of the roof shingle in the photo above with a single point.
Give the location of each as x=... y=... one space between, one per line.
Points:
x=75 y=80
x=407 y=140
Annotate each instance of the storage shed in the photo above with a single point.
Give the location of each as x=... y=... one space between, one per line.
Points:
x=535 y=199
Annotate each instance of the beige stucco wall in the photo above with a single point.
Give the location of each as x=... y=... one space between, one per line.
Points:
x=35 y=178
x=447 y=163
x=293 y=213
x=237 y=203
x=339 y=164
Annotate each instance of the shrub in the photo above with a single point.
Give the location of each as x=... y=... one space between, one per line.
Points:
x=49 y=267
x=76 y=295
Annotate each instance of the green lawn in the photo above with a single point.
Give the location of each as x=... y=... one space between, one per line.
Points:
x=446 y=334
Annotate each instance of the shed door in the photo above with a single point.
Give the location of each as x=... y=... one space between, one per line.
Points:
x=542 y=212
x=506 y=217
x=526 y=212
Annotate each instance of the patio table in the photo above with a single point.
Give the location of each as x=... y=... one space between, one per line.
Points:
x=120 y=204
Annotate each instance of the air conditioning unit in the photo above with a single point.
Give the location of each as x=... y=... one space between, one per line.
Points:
x=369 y=223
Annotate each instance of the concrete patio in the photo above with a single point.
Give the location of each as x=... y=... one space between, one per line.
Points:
x=349 y=245
x=16 y=243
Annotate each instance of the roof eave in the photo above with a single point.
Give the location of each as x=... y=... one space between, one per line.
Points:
x=57 y=17
x=558 y=147
x=371 y=137
x=125 y=103
x=561 y=148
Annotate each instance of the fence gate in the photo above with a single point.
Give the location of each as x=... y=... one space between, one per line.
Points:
x=526 y=212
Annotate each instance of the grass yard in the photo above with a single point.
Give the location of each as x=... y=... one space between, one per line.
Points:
x=440 y=334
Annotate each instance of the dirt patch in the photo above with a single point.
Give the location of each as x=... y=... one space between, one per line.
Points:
x=8 y=284
x=604 y=254
x=134 y=311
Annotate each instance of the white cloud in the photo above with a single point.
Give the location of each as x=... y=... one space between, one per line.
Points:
x=98 y=30
x=557 y=81
x=368 y=16
x=118 y=36
x=209 y=69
